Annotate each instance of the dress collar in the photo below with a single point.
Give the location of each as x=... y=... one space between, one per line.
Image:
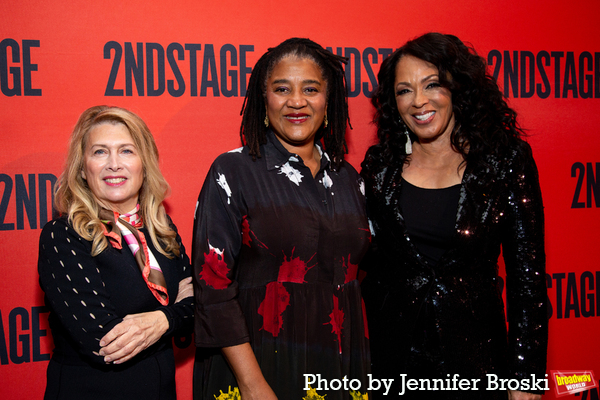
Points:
x=276 y=155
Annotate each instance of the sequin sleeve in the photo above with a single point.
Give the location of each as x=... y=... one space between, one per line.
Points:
x=524 y=256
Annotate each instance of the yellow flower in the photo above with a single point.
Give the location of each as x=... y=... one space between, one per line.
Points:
x=357 y=396
x=230 y=395
x=311 y=394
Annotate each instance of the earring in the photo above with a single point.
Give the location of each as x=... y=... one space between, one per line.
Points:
x=408 y=146
x=325 y=121
x=267 y=121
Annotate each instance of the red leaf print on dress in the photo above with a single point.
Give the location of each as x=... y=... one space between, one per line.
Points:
x=293 y=270
x=272 y=307
x=351 y=270
x=214 y=270
x=246 y=239
x=247 y=233
x=337 y=321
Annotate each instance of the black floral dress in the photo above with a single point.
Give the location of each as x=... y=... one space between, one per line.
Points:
x=275 y=256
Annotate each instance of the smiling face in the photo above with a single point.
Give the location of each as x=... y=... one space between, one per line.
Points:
x=424 y=105
x=296 y=101
x=112 y=167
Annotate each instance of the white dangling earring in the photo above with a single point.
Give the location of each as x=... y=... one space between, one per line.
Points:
x=408 y=146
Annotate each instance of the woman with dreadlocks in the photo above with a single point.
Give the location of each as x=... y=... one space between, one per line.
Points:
x=279 y=230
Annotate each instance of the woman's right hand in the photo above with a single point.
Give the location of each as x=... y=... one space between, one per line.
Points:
x=133 y=335
x=186 y=289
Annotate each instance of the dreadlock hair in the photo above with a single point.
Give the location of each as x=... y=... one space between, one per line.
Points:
x=253 y=130
x=484 y=122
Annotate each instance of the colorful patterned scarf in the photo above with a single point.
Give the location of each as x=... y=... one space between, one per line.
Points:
x=126 y=226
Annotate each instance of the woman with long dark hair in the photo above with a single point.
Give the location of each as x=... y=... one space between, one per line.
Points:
x=451 y=183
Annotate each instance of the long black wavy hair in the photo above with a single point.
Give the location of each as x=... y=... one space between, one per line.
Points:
x=253 y=130
x=484 y=122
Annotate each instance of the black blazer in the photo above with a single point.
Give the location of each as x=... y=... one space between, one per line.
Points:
x=500 y=207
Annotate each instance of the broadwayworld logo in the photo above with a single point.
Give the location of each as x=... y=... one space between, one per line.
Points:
x=573 y=382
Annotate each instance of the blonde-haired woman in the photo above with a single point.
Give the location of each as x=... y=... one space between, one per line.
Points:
x=112 y=266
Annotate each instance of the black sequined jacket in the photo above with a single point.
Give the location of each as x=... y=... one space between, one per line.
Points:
x=500 y=207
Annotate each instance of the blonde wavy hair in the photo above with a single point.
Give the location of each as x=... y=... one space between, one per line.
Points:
x=74 y=198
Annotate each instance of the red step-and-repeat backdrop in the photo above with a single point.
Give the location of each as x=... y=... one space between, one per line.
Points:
x=183 y=67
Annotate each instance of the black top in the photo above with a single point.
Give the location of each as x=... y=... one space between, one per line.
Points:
x=87 y=297
x=275 y=256
x=432 y=320
x=430 y=215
